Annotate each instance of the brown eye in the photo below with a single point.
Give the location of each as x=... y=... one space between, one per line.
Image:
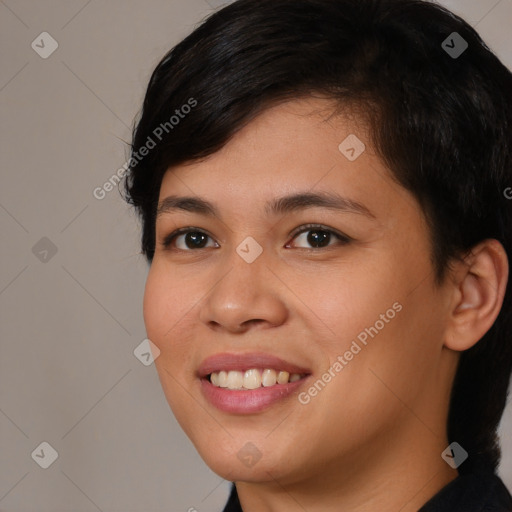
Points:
x=319 y=237
x=195 y=240
x=187 y=239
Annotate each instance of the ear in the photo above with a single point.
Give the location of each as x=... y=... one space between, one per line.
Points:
x=479 y=285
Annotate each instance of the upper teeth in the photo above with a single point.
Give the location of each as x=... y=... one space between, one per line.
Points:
x=251 y=379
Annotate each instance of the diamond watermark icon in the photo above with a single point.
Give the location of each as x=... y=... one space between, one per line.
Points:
x=45 y=455
x=44 y=45
x=249 y=454
x=352 y=148
x=146 y=352
x=44 y=250
x=454 y=455
x=249 y=249
x=454 y=45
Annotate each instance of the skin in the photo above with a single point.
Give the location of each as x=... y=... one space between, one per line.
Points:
x=372 y=438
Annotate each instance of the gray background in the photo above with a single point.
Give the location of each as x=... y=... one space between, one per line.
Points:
x=70 y=323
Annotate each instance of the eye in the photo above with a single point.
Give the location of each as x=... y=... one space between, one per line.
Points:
x=192 y=239
x=319 y=236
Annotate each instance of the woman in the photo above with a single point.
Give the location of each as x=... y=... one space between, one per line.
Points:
x=322 y=190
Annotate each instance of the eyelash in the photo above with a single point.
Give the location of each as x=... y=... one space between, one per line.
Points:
x=344 y=239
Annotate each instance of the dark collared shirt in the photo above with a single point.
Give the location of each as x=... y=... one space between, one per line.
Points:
x=467 y=493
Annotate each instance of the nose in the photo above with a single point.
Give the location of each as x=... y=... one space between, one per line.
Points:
x=245 y=296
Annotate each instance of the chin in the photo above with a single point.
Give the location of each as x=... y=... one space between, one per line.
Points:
x=241 y=461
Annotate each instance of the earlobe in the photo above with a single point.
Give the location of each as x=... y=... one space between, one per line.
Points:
x=478 y=294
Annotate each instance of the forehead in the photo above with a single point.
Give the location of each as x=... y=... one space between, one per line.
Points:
x=294 y=147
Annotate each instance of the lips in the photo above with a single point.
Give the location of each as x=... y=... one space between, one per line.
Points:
x=244 y=362
x=249 y=401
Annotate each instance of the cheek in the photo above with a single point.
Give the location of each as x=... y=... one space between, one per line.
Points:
x=164 y=304
x=347 y=302
x=397 y=361
x=169 y=309
x=154 y=307
x=383 y=326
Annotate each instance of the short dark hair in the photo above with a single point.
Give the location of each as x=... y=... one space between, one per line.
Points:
x=441 y=122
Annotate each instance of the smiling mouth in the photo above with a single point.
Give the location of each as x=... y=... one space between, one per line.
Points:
x=253 y=378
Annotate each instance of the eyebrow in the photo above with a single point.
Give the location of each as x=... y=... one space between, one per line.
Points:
x=281 y=205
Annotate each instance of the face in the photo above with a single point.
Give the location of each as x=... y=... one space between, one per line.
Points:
x=334 y=299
